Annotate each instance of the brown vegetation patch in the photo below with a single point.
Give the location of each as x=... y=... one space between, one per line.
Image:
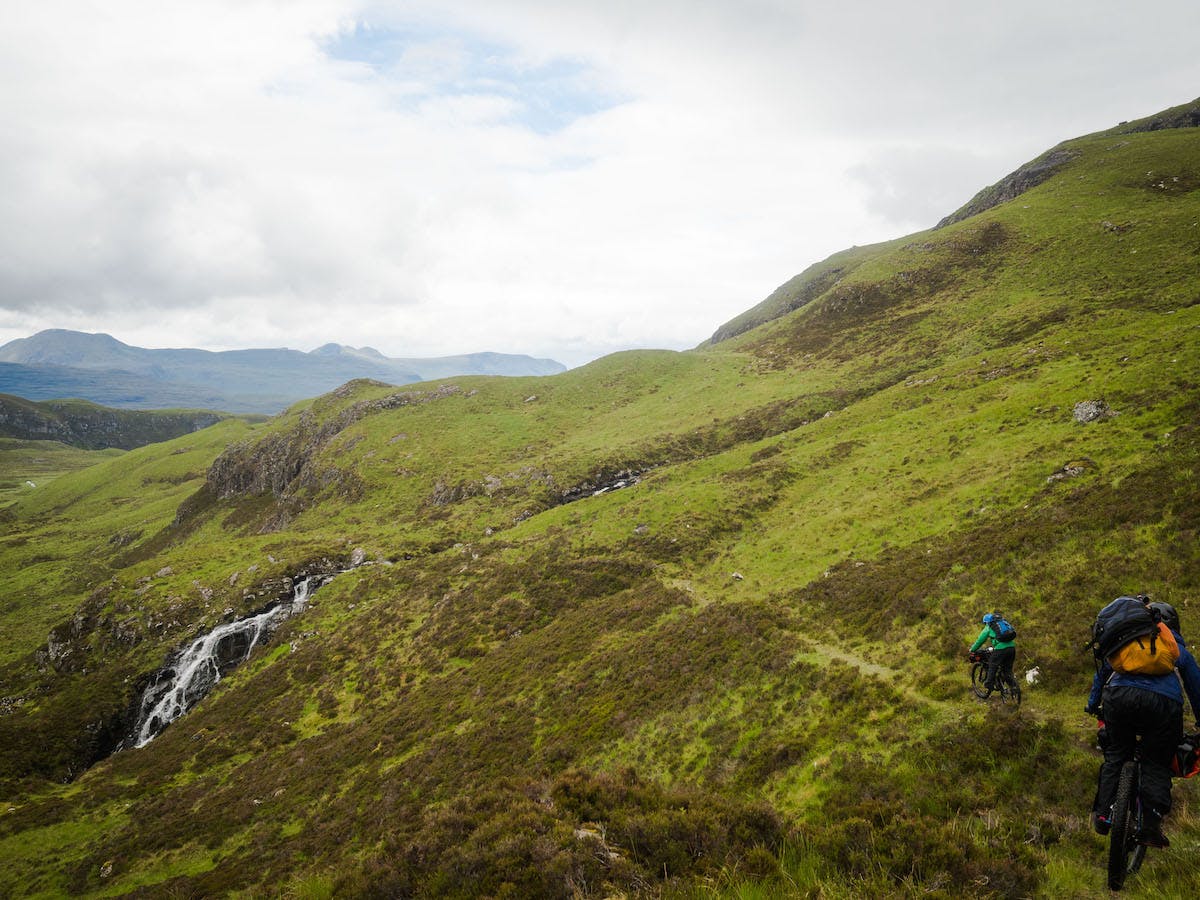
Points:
x=835 y=325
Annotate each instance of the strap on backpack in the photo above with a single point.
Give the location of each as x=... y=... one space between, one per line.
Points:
x=1153 y=640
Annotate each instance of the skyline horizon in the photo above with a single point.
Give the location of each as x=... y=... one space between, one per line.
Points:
x=560 y=182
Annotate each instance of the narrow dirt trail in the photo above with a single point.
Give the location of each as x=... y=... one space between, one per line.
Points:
x=898 y=680
x=902 y=682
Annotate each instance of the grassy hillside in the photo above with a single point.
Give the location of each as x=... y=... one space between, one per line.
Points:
x=672 y=624
x=86 y=425
x=27 y=465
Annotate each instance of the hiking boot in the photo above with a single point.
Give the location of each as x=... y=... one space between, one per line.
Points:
x=1101 y=824
x=1152 y=836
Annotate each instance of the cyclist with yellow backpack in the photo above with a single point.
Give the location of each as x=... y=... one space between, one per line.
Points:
x=1141 y=659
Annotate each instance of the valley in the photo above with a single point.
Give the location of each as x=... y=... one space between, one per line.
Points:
x=672 y=624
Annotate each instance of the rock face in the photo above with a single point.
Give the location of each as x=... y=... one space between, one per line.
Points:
x=94 y=427
x=69 y=643
x=283 y=463
x=1185 y=116
x=1034 y=173
x=1012 y=186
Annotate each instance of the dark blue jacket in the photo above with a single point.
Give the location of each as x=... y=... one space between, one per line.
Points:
x=1167 y=685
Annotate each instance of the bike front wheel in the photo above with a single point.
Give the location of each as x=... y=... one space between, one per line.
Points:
x=979 y=680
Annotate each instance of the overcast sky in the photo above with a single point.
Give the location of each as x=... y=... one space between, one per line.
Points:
x=563 y=179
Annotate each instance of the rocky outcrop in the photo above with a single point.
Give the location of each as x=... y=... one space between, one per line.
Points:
x=93 y=627
x=1012 y=186
x=1185 y=116
x=1087 y=411
x=282 y=463
x=1041 y=169
x=1073 y=469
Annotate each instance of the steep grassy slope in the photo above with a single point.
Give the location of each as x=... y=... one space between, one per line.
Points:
x=673 y=623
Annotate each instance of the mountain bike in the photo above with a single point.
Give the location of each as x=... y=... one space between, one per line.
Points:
x=1125 y=854
x=1008 y=689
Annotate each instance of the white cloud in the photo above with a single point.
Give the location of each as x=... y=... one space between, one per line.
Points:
x=560 y=179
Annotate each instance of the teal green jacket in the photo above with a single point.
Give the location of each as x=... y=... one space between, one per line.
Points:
x=988 y=634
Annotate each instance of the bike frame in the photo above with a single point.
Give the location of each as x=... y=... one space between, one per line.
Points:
x=980 y=660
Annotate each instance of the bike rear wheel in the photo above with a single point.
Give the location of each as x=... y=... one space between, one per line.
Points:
x=1011 y=693
x=1125 y=854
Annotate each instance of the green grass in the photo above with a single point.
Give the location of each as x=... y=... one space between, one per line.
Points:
x=27 y=466
x=741 y=675
x=38 y=858
x=64 y=536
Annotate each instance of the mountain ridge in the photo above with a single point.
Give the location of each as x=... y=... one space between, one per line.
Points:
x=59 y=363
x=820 y=277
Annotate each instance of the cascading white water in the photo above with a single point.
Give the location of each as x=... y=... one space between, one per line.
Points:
x=180 y=685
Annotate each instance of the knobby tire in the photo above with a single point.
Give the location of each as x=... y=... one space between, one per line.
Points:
x=1124 y=853
x=1009 y=693
x=979 y=680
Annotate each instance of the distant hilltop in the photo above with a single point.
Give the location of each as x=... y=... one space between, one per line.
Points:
x=79 y=423
x=58 y=363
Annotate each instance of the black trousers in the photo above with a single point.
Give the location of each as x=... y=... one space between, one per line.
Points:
x=1130 y=712
x=1000 y=661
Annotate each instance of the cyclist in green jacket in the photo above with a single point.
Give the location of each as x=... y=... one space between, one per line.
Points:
x=1002 y=657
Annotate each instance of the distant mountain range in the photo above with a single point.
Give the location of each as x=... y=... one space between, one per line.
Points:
x=58 y=363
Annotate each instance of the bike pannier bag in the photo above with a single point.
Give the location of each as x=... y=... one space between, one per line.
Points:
x=1186 y=761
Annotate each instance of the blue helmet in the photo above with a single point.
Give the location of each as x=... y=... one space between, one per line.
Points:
x=988 y=618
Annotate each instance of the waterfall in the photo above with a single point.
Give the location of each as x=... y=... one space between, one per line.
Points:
x=183 y=682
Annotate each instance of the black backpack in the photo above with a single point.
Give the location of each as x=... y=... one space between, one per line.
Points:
x=1125 y=619
x=1003 y=629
